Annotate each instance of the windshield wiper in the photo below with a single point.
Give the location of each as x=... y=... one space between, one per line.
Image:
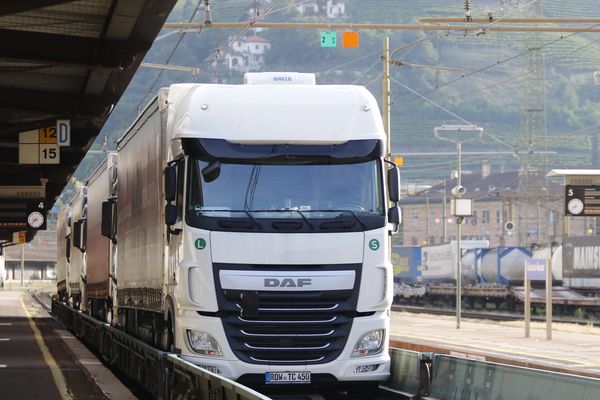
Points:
x=253 y=219
x=250 y=190
x=362 y=224
x=312 y=227
x=250 y=217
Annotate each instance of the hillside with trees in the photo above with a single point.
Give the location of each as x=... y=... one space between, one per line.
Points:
x=483 y=79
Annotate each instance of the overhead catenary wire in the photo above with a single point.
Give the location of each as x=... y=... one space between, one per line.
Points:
x=375 y=79
x=351 y=62
x=508 y=59
x=207 y=65
x=365 y=72
x=237 y=37
x=582 y=130
x=171 y=54
x=450 y=163
x=486 y=132
x=575 y=31
x=522 y=75
x=290 y=6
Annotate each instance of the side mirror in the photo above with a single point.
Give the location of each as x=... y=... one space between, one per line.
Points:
x=170 y=214
x=109 y=219
x=211 y=171
x=395 y=216
x=76 y=233
x=170 y=183
x=68 y=249
x=393 y=175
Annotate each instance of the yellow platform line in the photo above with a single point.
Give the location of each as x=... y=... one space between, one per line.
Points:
x=486 y=349
x=57 y=375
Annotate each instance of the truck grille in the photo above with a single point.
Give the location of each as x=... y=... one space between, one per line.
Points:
x=308 y=327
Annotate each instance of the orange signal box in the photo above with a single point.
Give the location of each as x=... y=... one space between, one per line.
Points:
x=399 y=161
x=350 y=40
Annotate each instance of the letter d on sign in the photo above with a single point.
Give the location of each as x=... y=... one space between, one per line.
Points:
x=63 y=127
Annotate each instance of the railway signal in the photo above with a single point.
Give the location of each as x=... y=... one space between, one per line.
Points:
x=328 y=39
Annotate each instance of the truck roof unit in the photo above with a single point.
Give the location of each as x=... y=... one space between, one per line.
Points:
x=255 y=114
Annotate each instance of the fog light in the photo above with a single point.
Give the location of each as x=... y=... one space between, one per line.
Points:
x=369 y=344
x=203 y=343
x=365 y=368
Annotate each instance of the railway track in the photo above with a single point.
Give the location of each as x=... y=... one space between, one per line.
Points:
x=493 y=316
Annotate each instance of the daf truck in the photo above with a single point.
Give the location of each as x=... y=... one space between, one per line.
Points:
x=253 y=229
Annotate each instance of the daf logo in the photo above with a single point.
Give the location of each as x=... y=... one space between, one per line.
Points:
x=287 y=282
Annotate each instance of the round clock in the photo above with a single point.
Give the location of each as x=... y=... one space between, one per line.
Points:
x=575 y=206
x=35 y=219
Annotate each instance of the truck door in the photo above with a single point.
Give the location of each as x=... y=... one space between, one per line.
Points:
x=175 y=240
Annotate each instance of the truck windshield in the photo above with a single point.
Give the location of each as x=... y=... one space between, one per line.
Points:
x=291 y=191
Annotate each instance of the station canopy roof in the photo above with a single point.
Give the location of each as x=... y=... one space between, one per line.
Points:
x=66 y=59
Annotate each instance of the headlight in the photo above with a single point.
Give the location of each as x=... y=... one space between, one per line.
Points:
x=203 y=343
x=369 y=344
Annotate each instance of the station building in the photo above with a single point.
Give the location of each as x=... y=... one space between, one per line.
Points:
x=534 y=205
x=39 y=259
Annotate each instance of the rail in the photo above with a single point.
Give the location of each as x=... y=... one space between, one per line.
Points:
x=163 y=375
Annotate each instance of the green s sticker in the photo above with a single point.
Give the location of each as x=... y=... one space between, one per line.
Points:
x=374 y=244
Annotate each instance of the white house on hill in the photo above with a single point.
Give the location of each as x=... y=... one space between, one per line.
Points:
x=327 y=8
x=245 y=54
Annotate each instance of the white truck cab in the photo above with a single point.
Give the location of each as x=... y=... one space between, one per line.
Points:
x=275 y=233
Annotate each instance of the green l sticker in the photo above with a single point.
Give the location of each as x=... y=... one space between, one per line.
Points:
x=374 y=244
x=200 y=244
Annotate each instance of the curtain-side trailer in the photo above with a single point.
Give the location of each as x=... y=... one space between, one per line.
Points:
x=100 y=250
x=76 y=274
x=63 y=248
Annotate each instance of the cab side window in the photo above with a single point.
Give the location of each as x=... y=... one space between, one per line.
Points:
x=180 y=185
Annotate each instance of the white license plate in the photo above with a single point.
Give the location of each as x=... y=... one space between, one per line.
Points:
x=287 y=377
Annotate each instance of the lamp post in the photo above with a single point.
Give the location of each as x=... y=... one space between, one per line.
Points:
x=459 y=207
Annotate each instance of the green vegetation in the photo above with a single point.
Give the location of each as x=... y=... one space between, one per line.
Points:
x=491 y=98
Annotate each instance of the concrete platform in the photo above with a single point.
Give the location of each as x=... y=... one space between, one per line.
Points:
x=574 y=349
x=40 y=360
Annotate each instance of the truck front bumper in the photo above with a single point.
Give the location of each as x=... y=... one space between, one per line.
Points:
x=344 y=369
